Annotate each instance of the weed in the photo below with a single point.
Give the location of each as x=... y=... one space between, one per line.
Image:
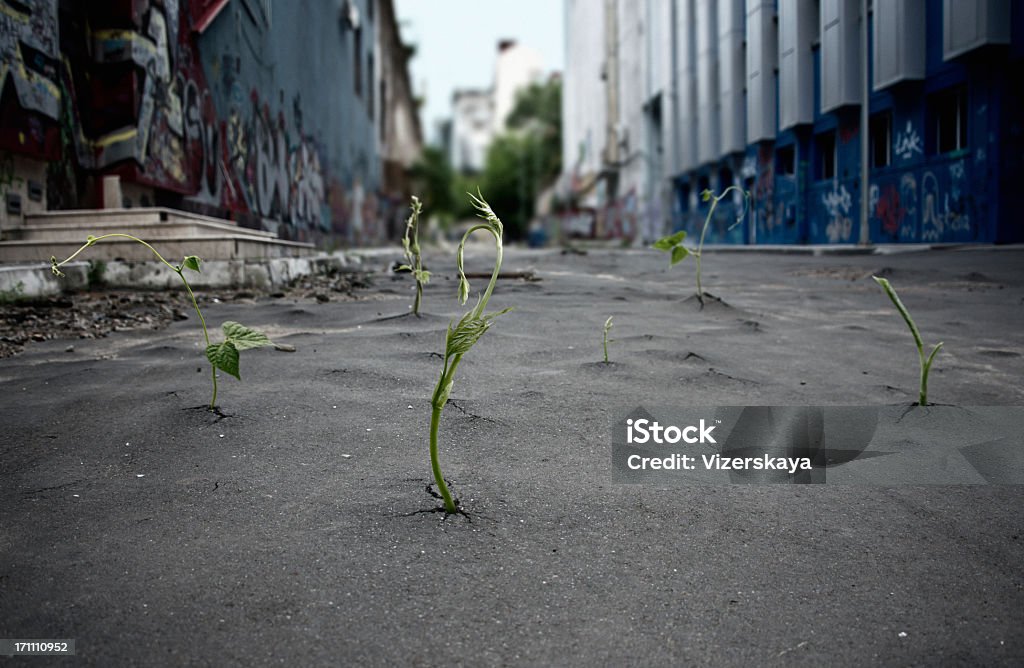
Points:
x=411 y=244
x=14 y=295
x=224 y=355
x=607 y=328
x=674 y=242
x=926 y=362
x=461 y=337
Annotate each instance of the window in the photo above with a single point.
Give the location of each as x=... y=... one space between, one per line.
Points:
x=725 y=179
x=948 y=121
x=881 y=139
x=825 y=163
x=785 y=160
x=357 y=61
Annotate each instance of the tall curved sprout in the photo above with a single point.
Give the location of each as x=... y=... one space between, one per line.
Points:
x=462 y=336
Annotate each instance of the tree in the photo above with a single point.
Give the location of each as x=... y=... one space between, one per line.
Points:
x=527 y=158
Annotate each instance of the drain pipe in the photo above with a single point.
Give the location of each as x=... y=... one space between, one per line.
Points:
x=865 y=131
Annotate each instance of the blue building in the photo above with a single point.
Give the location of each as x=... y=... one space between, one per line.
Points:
x=766 y=95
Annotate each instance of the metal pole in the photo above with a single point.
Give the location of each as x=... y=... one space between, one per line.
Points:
x=865 y=92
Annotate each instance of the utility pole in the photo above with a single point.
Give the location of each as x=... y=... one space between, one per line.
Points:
x=865 y=131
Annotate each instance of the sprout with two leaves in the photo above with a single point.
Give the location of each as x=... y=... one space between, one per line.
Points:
x=461 y=337
x=223 y=355
x=674 y=242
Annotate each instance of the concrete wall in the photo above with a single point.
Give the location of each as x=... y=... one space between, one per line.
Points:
x=265 y=112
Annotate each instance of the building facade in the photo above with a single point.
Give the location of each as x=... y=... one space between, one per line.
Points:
x=766 y=95
x=277 y=115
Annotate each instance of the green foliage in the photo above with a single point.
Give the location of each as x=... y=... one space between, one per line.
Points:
x=432 y=174
x=223 y=356
x=96 y=273
x=674 y=242
x=461 y=337
x=524 y=161
x=925 y=362
x=15 y=294
x=237 y=337
x=607 y=328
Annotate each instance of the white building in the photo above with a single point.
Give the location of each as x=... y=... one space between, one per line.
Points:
x=480 y=115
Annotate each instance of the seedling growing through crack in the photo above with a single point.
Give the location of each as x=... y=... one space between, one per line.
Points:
x=926 y=362
x=674 y=242
x=607 y=328
x=223 y=356
x=461 y=337
x=411 y=244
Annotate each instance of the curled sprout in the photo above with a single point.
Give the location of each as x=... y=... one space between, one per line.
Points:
x=462 y=336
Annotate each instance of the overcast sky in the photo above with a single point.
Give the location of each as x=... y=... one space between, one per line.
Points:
x=456 y=42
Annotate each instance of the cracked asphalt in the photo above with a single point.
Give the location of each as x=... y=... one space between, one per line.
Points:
x=286 y=531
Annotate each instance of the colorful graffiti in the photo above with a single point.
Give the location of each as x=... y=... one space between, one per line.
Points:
x=837 y=203
x=946 y=206
x=29 y=49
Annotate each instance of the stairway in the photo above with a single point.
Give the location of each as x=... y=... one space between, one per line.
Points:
x=173 y=233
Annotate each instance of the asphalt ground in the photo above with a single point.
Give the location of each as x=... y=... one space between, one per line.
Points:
x=287 y=530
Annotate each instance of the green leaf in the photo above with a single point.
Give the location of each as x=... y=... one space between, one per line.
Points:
x=669 y=242
x=191 y=262
x=224 y=356
x=423 y=276
x=463 y=288
x=243 y=337
x=404 y=267
x=679 y=254
x=462 y=337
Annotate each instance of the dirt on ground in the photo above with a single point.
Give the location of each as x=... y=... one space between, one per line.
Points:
x=96 y=313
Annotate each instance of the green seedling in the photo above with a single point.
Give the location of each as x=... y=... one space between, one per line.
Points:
x=224 y=355
x=926 y=362
x=674 y=242
x=607 y=328
x=460 y=337
x=411 y=244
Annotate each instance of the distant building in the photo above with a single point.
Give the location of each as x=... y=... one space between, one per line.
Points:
x=295 y=122
x=666 y=98
x=472 y=129
x=480 y=115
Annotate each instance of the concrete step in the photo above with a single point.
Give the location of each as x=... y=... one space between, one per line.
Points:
x=87 y=219
x=173 y=233
x=209 y=247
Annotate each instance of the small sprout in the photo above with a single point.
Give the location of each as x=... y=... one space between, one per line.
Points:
x=926 y=362
x=674 y=242
x=223 y=356
x=460 y=337
x=607 y=328
x=411 y=246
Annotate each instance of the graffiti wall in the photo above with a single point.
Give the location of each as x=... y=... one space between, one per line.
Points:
x=244 y=109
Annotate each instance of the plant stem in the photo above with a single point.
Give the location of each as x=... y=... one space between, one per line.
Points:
x=704 y=230
x=435 y=464
x=606 y=347
x=181 y=274
x=441 y=391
